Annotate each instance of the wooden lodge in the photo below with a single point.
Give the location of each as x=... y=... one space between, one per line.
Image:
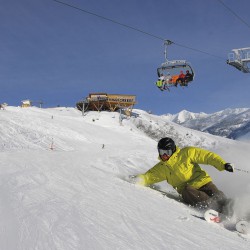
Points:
x=107 y=102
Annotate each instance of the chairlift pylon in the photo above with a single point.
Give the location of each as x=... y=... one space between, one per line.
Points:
x=240 y=59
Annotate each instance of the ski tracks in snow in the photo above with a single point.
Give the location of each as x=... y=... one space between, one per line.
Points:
x=39 y=211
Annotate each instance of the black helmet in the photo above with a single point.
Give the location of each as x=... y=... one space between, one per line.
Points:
x=166 y=144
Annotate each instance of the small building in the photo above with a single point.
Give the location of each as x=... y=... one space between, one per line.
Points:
x=29 y=103
x=26 y=103
x=3 y=105
x=107 y=102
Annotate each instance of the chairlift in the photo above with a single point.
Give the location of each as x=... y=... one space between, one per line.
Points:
x=240 y=58
x=174 y=68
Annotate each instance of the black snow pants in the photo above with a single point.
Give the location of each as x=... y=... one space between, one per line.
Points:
x=208 y=196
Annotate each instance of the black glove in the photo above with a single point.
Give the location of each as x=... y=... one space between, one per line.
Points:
x=229 y=167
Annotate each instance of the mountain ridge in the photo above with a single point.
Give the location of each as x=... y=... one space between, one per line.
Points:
x=229 y=123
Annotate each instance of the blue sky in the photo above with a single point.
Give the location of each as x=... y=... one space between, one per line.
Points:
x=59 y=55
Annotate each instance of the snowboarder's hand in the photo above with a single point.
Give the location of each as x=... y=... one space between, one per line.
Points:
x=229 y=167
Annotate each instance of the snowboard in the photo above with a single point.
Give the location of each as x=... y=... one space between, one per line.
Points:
x=212 y=216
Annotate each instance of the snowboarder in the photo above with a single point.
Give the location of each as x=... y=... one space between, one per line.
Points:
x=180 y=168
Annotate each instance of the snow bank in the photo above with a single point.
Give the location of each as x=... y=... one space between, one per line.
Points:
x=63 y=183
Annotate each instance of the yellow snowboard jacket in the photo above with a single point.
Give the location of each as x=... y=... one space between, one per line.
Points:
x=183 y=168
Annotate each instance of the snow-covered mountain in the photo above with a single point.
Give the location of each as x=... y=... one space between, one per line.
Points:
x=63 y=183
x=230 y=123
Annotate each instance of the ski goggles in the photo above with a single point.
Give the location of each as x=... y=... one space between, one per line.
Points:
x=165 y=152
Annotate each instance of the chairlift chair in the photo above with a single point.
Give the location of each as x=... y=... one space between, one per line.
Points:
x=174 y=67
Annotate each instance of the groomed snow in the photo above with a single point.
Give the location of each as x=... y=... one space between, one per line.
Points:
x=63 y=183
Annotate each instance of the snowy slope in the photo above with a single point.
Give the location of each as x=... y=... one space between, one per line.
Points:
x=74 y=196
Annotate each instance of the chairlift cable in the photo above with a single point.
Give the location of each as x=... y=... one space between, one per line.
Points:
x=235 y=14
x=136 y=29
x=108 y=19
x=200 y=51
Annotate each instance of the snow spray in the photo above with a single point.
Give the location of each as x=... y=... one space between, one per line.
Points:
x=242 y=170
